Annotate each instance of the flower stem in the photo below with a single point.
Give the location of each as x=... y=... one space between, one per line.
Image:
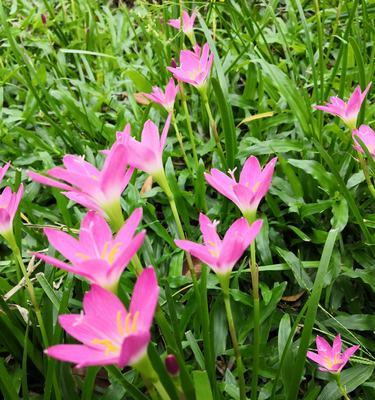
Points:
x=151 y=379
x=9 y=236
x=163 y=183
x=115 y=216
x=254 y=271
x=188 y=122
x=341 y=387
x=203 y=93
x=224 y=283
x=366 y=174
x=179 y=138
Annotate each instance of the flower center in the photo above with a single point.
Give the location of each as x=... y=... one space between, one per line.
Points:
x=129 y=325
x=109 y=346
x=110 y=254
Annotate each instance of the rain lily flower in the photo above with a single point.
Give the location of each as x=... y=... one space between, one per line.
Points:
x=146 y=155
x=330 y=358
x=3 y=170
x=251 y=188
x=348 y=112
x=9 y=202
x=367 y=135
x=195 y=66
x=109 y=333
x=166 y=99
x=98 y=190
x=95 y=255
x=187 y=22
x=222 y=254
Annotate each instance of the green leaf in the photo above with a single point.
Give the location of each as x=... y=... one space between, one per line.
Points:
x=202 y=385
x=351 y=378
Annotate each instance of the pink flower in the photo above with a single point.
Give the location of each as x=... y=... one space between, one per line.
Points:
x=187 y=22
x=97 y=256
x=146 y=155
x=109 y=333
x=3 y=170
x=348 y=112
x=98 y=190
x=166 y=99
x=195 y=66
x=330 y=358
x=252 y=187
x=222 y=255
x=367 y=135
x=9 y=202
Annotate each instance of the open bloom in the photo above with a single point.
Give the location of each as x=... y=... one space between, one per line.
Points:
x=166 y=99
x=348 y=112
x=146 y=155
x=98 y=190
x=251 y=188
x=109 y=333
x=222 y=254
x=3 y=170
x=95 y=255
x=367 y=135
x=187 y=22
x=9 y=202
x=195 y=66
x=330 y=358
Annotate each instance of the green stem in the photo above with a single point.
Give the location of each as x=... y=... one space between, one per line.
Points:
x=203 y=93
x=341 y=387
x=115 y=216
x=9 y=237
x=180 y=141
x=254 y=271
x=161 y=179
x=188 y=122
x=224 y=282
x=366 y=174
x=151 y=379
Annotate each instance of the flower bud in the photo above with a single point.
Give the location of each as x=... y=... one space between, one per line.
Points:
x=44 y=19
x=171 y=365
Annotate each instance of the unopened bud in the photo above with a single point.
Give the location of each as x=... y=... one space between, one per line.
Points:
x=171 y=365
x=44 y=19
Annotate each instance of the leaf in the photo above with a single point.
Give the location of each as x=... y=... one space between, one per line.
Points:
x=351 y=378
x=297 y=268
x=202 y=385
x=317 y=171
x=227 y=122
x=255 y=117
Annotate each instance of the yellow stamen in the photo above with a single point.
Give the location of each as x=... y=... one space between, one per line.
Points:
x=120 y=328
x=255 y=187
x=127 y=323
x=134 y=323
x=108 y=344
x=83 y=256
x=110 y=255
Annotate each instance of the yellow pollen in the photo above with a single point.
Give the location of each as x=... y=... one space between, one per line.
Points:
x=134 y=323
x=110 y=255
x=214 y=252
x=119 y=324
x=255 y=187
x=83 y=256
x=94 y=177
x=108 y=344
x=211 y=243
x=127 y=323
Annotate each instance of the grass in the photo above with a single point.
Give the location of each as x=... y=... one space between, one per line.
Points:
x=68 y=85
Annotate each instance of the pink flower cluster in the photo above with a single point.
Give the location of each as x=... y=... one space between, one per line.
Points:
x=108 y=332
x=348 y=112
